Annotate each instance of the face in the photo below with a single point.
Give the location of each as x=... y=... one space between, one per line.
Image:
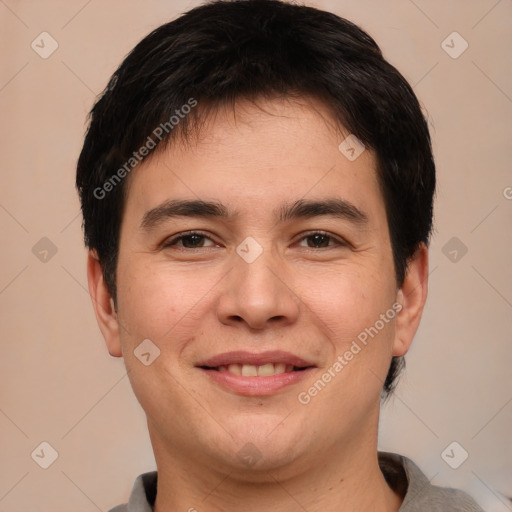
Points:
x=257 y=261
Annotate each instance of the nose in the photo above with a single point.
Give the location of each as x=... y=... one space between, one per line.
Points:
x=258 y=295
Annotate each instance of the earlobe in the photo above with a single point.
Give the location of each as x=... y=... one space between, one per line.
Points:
x=412 y=297
x=103 y=304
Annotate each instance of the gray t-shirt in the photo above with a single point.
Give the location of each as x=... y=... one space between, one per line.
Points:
x=401 y=473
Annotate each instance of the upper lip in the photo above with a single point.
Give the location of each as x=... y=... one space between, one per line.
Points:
x=254 y=358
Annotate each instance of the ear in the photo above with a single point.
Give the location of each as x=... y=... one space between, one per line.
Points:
x=412 y=297
x=103 y=304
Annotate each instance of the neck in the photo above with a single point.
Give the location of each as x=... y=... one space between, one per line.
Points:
x=341 y=479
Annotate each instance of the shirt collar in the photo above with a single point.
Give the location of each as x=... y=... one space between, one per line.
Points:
x=143 y=493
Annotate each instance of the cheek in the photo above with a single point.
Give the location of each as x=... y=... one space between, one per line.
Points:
x=165 y=308
x=162 y=304
x=357 y=319
x=347 y=300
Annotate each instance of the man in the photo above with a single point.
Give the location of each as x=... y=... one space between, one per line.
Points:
x=257 y=186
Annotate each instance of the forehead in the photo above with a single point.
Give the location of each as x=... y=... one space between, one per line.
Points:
x=255 y=154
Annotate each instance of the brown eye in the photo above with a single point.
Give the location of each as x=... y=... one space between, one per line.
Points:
x=320 y=240
x=190 y=241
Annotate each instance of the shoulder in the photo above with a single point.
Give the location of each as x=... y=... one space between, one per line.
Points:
x=421 y=495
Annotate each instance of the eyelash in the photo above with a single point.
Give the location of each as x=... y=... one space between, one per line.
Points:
x=173 y=241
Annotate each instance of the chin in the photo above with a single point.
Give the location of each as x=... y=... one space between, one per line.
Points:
x=259 y=445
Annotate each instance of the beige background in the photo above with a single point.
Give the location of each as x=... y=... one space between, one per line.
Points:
x=58 y=383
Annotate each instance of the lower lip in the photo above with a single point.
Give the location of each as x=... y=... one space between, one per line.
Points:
x=256 y=386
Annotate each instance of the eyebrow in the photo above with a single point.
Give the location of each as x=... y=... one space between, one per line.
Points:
x=339 y=208
x=183 y=208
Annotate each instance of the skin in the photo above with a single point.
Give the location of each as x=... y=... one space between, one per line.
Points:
x=201 y=299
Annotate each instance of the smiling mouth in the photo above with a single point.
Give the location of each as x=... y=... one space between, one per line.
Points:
x=250 y=370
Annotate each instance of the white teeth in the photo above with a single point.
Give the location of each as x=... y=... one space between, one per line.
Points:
x=250 y=370
x=235 y=368
x=266 y=370
x=279 y=368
